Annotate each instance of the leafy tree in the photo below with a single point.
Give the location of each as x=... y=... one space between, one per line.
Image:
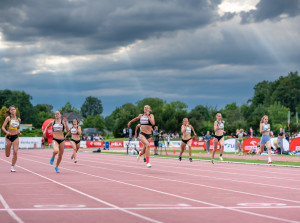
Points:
x=287 y=91
x=95 y=121
x=2 y=115
x=22 y=101
x=91 y=106
x=69 y=107
x=44 y=108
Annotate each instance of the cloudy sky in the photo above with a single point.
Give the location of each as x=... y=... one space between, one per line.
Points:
x=209 y=52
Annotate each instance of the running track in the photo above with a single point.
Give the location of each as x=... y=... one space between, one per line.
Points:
x=116 y=188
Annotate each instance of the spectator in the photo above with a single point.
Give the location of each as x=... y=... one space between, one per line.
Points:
x=155 y=139
x=287 y=137
x=124 y=132
x=130 y=132
x=168 y=140
x=280 y=138
x=207 y=138
x=251 y=132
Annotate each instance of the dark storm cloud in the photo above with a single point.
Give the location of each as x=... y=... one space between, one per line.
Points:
x=272 y=9
x=101 y=24
x=123 y=51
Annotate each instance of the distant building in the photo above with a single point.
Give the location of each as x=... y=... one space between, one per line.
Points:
x=73 y=115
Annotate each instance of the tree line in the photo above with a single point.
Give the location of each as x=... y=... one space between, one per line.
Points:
x=272 y=98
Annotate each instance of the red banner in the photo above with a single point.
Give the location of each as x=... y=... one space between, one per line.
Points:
x=198 y=143
x=116 y=144
x=250 y=143
x=68 y=144
x=94 y=144
x=211 y=148
x=295 y=145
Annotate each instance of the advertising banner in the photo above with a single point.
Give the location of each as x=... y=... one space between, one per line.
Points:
x=286 y=144
x=250 y=143
x=229 y=145
x=295 y=145
x=25 y=142
x=198 y=143
x=94 y=144
x=116 y=144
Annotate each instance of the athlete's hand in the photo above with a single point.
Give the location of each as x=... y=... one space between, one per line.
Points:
x=129 y=124
x=20 y=133
x=8 y=133
x=65 y=119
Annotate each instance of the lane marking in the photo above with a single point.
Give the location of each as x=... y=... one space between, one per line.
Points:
x=261 y=204
x=166 y=179
x=49 y=206
x=173 y=195
x=219 y=166
x=205 y=170
x=87 y=195
x=163 y=205
x=147 y=208
x=196 y=175
x=9 y=211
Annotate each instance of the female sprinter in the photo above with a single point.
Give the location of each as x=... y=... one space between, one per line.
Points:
x=12 y=133
x=186 y=130
x=265 y=138
x=240 y=134
x=136 y=135
x=58 y=127
x=75 y=140
x=218 y=137
x=146 y=121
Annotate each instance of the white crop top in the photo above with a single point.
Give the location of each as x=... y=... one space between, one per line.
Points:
x=266 y=126
x=58 y=127
x=74 y=131
x=221 y=125
x=188 y=130
x=145 y=120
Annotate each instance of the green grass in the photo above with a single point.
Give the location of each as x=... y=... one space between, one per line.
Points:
x=278 y=163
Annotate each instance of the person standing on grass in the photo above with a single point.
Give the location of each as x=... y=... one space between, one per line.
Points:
x=155 y=139
x=240 y=134
x=12 y=133
x=75 y=140
x=146 y=121
x=265 y=138
x=58 y=142
x=186 y=131
x=218 y=136
x=280 y=138
x=207 y=138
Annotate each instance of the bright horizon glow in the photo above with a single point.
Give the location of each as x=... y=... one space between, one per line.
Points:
x=236 y=6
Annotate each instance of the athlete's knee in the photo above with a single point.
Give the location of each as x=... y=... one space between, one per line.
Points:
x=55 y=152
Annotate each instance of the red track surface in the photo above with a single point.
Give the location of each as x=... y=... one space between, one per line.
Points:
x=115 y=188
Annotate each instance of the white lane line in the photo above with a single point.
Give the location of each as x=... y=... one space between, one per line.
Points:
x=198 y=168
x=190 y=167
x=147 y=208
x=179 y=181
x=158 y=159
x=173 y=195
x=89 y=196
x=9 y=211
x=196 y=175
